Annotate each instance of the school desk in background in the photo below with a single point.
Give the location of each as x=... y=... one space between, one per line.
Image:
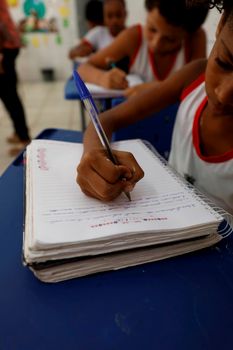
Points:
x=103 y=95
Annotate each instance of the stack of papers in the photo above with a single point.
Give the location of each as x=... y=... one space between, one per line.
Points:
x=68 y=234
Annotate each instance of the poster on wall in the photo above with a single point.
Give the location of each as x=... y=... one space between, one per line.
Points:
x=35 y=18
x=41 y=16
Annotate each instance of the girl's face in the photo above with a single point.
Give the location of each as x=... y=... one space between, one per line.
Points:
x=114 y=16
x=163 y=38
x=219 y=72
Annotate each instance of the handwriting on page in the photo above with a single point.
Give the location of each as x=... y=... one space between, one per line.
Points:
x=41 y=159
x=141 y=209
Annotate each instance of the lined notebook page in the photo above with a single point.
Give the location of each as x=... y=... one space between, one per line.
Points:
x=62 y=213
x=98 y=91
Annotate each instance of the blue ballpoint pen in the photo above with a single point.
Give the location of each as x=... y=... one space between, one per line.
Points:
x=92 y=110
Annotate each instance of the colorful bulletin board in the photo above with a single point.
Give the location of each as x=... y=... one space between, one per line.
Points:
x=42 y=16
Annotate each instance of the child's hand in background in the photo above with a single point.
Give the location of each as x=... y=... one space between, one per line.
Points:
x=114 y=79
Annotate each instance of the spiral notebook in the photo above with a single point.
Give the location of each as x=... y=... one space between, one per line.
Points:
x=68 y=234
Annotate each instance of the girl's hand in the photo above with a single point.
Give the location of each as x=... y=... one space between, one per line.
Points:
x=114 y=79
x=98 y=177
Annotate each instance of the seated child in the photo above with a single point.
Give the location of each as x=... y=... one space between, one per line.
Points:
x=171 y=37
x=114 y=14
x=202 y=142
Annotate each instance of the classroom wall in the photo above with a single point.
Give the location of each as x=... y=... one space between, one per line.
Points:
x=48 y=51
x=136 y=11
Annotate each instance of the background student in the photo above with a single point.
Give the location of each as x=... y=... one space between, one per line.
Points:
x=10 y=46
x=114 y=14
x=171 y=37
x=202 y=142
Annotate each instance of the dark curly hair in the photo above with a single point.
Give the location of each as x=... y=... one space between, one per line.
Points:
x=177 y=13
x=121 y=1
x=94 y=12
x=225 y=6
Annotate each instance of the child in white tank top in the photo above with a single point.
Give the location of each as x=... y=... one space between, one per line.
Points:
x=102 y=34
x=171 y=37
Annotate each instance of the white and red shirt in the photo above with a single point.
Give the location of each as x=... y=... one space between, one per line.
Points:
x=142 y=62
x=213 y=175
x=98 y=38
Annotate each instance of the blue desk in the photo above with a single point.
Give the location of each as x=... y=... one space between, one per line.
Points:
x=180 y=303
x=71 y=93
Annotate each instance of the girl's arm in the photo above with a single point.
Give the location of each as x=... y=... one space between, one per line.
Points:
x=156 y=97
x=197 y=42
x=95 y=69
x=81 y=50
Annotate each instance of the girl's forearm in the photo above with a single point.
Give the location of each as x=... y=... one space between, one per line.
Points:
x=91 y=74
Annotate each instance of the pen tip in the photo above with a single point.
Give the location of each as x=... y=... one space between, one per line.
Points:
x=128 y=196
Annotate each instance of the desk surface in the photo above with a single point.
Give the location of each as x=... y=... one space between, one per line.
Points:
x=98 y=92
x=179 y=303
x=70 y=90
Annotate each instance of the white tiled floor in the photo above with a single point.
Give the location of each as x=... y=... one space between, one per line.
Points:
x=45 y=107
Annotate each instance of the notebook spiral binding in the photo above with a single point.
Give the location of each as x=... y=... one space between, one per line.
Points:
x=226 y=226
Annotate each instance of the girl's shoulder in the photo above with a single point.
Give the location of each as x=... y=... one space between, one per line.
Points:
x=132 y=33
x=129 y=38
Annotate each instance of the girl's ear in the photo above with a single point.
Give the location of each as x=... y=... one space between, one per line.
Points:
x=221 y=24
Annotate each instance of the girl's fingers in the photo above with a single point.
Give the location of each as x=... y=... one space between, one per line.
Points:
x=97 y=186
x=100 y=178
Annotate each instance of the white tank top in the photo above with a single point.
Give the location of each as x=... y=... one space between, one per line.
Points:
x=98 y=37
x=142 y=62
x=213 y=175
